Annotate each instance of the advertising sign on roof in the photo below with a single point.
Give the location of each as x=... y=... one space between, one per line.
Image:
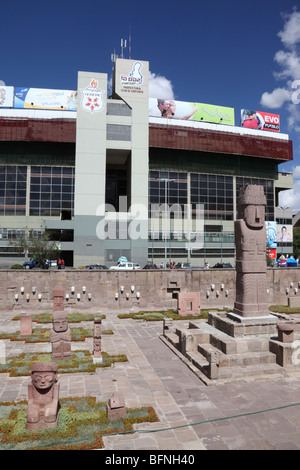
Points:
x=6 y=96
x=40 y=98
x=260 y=120
x=171 y=109
x=131 y=79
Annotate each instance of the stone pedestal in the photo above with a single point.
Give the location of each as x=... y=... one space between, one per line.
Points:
x=285 y=332
x=116 y=408
x=188 y=303
x=25 y=325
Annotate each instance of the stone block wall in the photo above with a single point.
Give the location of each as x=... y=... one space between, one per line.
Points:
x=140 y=290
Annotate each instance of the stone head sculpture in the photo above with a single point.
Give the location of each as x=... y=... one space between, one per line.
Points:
x=43 y=392
x=43 y=376
x=58 y=298
x=60 y=322
x=251 y=206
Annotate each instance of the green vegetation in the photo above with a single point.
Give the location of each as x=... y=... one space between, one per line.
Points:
x=82 y=361
x=82 y=422
x=164 y=314
x=16 y=266
x=40 y=335
x=75 y=317
x=284 y=309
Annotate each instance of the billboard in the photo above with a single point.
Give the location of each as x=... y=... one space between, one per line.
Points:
x=260 y=120
x=131 y=79
x=42 y=98
x=284 y=233
x=6 y=96
x=183 y=110
x=271 y=231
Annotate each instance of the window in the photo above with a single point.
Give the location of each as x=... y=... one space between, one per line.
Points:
x=51 y=190
x=214 y=193
x=13 y=190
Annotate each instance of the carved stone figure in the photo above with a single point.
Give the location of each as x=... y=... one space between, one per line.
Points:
x=58 y=299
x=43 y=394
x=97 y=339
x=60 y=337
x=251 y=265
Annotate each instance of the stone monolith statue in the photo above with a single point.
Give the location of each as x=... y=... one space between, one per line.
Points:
x=97 y=338
x=43 y=394
x=251 y=264
x=60 y=337
x=58 y=299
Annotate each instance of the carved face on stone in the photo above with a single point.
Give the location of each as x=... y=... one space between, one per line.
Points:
x=254 y=216
x=60 y=323
x=43 y=375
x=43 y=380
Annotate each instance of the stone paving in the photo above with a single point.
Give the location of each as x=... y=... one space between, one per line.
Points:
x=191 y=415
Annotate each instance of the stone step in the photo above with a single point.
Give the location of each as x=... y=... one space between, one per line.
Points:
x=246 y=358
x=262 y=371
x=172 y=337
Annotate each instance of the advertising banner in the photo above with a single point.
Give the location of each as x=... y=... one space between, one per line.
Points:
x=40 y=98
x=260 y=120
x=271 y=231
x=6 y=96
x=190 y=111
x=284 y=233
x=131 y=79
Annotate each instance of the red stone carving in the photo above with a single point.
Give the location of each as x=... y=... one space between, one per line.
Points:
x=188 y=303
x=251 y=265
x=43 y=394
x=58 y=299
x=60 y=337
x=116 y=408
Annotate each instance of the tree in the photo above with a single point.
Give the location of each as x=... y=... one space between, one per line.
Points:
x=37 y=245
x=296 y=242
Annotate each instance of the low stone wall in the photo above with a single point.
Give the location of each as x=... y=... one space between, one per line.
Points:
x=139 y=290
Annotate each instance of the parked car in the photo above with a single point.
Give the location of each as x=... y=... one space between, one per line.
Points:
x=122 y=266
x=223 y=265
x=150 y=266
x=33 y=264
x=183 y=266
x=136 y=266
x=95 y=266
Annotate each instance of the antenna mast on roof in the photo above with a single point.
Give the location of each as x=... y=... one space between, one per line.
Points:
x=113 y=56
x=123 y=46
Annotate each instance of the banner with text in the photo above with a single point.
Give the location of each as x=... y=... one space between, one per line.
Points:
x=260 y=120
x=41 y=98
x=171 y=109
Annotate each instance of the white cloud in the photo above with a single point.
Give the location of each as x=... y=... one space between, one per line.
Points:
x=288 y=61
x=2 y=83
x=160 y=87
x=291 y=30
x=291 y=197
x=276 y=98
x=296 y=172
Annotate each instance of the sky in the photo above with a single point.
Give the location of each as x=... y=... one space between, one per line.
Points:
x=226 y=53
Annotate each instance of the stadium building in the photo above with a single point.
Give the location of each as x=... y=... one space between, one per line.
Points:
x=122 y=175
